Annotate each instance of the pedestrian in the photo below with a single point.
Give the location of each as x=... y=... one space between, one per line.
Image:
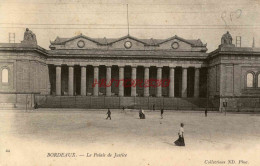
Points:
x=153 y=107
x=143 y=114
x=36 y=106
x=206 y=112
x=140 y=113
x=162 y=113
x=108 y=114
x=180 y=141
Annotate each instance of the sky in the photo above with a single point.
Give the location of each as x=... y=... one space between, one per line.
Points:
x=206 y=20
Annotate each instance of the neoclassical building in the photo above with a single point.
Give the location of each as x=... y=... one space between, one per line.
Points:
x=172 y=73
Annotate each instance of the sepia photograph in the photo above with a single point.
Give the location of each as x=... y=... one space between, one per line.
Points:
x=129 y=83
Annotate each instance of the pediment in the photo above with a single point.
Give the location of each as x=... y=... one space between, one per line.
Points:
x=175 y=38
x=127 y=42
x=178 y=43
x=82 y=37
x=77 y=42
x=128 y=37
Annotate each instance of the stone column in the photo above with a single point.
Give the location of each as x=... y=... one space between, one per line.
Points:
x=133 y=84
x=121 y=79
x=58 y=80
x=71 y=81
x=83 y=81
x=196 y=82
x=96 y=80
x=108 y=81
x=171 y=85
x=184 y=82
x=146 y=81
x=48 y=86
x=159 y=78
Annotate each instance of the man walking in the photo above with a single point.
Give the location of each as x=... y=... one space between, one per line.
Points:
x=206 y=112
x=108 y=114
x=162 y=113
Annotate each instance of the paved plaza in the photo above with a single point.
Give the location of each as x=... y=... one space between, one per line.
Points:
x=139 y=142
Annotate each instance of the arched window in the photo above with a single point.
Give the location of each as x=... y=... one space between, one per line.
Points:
x=249 y=80
x=5 y=76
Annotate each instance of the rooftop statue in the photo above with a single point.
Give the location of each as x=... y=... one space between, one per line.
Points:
x=226 y=40
x=29 y=37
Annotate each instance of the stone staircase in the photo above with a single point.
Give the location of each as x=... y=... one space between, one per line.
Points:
x=103 y=102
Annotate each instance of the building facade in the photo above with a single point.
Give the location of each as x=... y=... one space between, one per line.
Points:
x=84 y=72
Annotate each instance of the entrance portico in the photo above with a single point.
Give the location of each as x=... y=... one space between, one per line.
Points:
x=141 y=83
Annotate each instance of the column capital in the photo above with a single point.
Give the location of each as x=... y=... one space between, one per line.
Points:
x=121 y=66
x=108 y=66
x=55 y=63
x=134 y=66
x=70 y=65
x=146 y=66
x=95 y=66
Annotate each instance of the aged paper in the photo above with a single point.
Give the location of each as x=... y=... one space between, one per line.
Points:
x=59 y=57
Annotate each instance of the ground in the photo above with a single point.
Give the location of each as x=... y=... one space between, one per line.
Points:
x=29 y=136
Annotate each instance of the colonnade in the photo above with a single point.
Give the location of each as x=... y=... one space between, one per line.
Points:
x=121 y=83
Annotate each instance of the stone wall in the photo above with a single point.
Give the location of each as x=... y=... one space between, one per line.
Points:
x=17 y=100
x=10 y=86
x=31 y=76
x=27 y=75
x=227 y=78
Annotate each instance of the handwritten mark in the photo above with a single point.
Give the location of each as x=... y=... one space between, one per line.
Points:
x=236 y=14
x=223 y=15
x=232 y=15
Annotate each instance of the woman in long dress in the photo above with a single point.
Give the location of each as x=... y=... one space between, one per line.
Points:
x=140 y=113
x=180 y=141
